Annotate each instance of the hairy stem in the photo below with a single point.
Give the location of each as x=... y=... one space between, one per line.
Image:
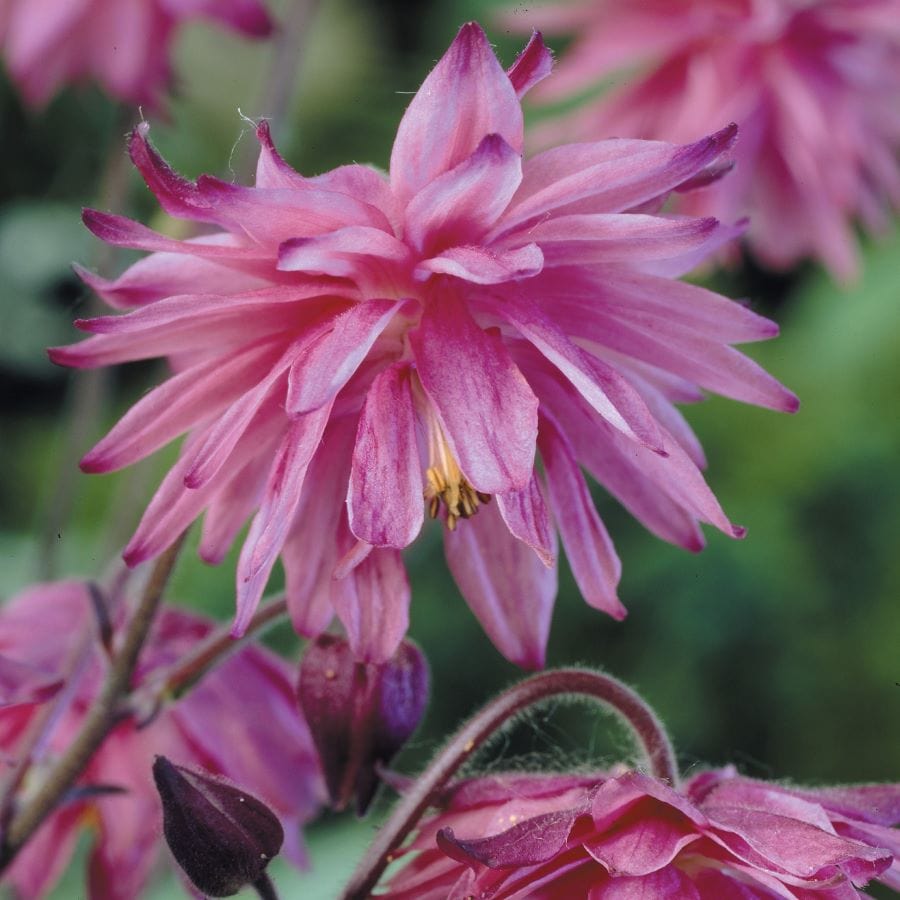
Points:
x=100 y=720
x=649 y=735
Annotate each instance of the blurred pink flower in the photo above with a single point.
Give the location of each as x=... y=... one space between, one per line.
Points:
x=344 y=343
x=240 y=721
x=813 y=87
x=629 y=836
x=122 y=44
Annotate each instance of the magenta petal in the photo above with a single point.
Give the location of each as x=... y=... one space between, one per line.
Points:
x=384 y=501
x=340 y=253
x=588 y=546
x=486 y=408
x=329 y=363
x=525 y=844
x=611 y=176
x=465 y=97
x=608 y=392
x=481 y=265
x=508 y=588
x=532 y=65
x=188 y=398
x=460 y=205
x=272 y=523
x=667 y=882
x=373 y=605
x=528 y=518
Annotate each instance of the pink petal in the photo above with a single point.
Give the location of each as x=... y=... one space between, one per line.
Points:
x=173 y=507
x=614 y=175
x=384 y=501
x=528 y=518
x=323 y=369
x=589 y=549
x=465 y=97
x=311 y=550
x=485 y=406
x=481 y=265
x=344 y=253
x=606 y=238
x=122 y=232
x=600 y=384
x=272 y=523
x=192 y=396
x=230 y=508
x=508 y=588
x=532 y=65
x=373 y=605
x=527 y=843
x=667 y=882
x=460 y=205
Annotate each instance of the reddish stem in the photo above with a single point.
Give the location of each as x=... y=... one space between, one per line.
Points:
x=649 y=735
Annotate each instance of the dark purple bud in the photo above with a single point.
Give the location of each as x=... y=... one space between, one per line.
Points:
x=221 y=836
x=360 y=714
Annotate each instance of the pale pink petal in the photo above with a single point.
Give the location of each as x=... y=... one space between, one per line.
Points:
x=384 y=501
x=508 y=588
x=532 y=65
x=271 y=525
x=465 y=97
x=341 y=253
x=614 y=175
x=482 y=265
x=190 y=398
x=465 y=202
x=616 y=238
x=527 y=517
x=485 y=406
x=372 y=602
x=329 y=362
x=589 y=549
x=602 y=386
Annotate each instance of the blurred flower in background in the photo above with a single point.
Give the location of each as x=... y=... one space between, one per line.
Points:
x=240 y=721
x=122 y=44
x=627 y=835
x=346 y=342
x=814 y=87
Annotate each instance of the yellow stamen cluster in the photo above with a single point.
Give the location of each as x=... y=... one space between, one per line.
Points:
x=446 y=484
x=458 y=496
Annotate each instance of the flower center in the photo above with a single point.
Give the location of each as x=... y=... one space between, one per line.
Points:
x=446 y=484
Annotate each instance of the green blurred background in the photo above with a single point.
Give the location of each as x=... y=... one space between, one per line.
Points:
x=780 y=653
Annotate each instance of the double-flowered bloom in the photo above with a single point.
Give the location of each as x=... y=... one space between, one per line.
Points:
x=813 y=85
x=628 y=836
x=240 y=722
x=121 y=44
x=343 y=345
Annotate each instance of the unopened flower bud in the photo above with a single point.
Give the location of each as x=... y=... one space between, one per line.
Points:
x=360 y=714
x=221 y=836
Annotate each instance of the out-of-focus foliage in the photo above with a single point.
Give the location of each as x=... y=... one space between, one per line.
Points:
x=778 y=652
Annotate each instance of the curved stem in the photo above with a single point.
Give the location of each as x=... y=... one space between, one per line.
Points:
x=659 y=757
x=101 y=719
x=206 y=655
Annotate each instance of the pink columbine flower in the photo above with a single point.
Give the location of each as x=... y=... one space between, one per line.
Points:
x=121 y=44
x=812 y=85
x=345 y=343
x=629 y=836
x=240 y=721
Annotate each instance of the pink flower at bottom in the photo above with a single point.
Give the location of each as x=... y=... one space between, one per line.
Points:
x=813 y=87
x=344 y=344
x=628 y=836
x=122 y=44
x=240 y=721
